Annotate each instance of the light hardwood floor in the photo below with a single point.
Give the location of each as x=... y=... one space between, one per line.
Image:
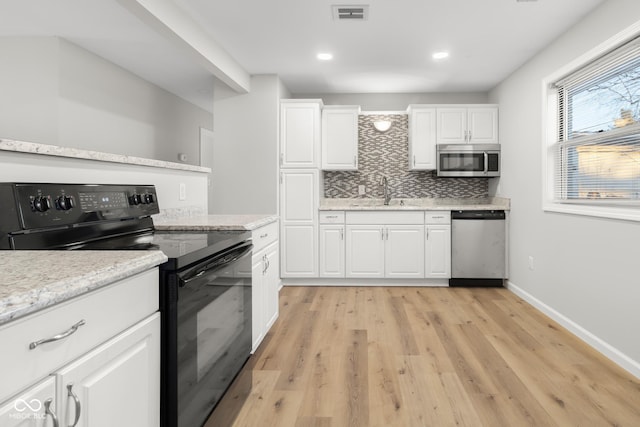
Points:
x=343 y=356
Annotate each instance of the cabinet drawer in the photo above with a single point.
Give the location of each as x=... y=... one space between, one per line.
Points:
x=387 y=218
x=440 y=217
x=106 y=312
x=331 y=217
x=264 y=235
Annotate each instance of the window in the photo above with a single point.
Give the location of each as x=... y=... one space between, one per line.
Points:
x=596 y=154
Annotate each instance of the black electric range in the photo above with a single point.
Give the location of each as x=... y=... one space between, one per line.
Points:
x=205 y=286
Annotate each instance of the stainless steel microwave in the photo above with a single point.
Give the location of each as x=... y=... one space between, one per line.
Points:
x=468 y=160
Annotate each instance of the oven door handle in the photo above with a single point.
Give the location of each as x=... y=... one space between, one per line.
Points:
x=216 y=263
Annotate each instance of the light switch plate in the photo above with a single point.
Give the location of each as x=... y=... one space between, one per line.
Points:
x=361 y=189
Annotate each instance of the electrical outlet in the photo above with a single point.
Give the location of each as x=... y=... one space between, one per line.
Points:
x=361 y=189
x=183 y=191
x=530 y=262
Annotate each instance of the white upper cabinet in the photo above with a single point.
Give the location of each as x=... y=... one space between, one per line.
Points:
x=467 y=124
x=482 y=123
x=300 y=133
x=422 y=137
x=340 y=137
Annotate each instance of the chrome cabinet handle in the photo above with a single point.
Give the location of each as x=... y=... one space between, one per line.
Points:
x=262 y=236
x=414 y=160
x=72 y=395
x=264 y=264
x=355 y=161
x=341 y=234
x=427 y=234
x=486 y=162
x=382 y=233
x=58 y=337
x=49 y=411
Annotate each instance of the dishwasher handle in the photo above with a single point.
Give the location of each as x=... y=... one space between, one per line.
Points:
x=478 y=215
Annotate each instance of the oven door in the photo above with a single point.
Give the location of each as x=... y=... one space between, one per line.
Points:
x=212 y=334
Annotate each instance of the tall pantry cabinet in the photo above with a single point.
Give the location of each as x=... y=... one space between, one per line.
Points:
x=300 y=122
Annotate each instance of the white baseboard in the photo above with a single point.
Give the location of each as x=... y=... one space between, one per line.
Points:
x=618 y=357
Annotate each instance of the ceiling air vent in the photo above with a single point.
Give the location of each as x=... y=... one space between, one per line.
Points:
x=358 y=12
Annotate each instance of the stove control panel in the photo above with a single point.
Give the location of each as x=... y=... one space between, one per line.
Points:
x=50 y=205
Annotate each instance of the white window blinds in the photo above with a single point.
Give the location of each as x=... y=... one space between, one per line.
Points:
x=597 y=156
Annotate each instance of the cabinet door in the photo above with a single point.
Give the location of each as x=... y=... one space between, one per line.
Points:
x=365 y=251
x=299 y=196
x=258 y=297
x=452 y=125
x=299 y=134
x=116 y=384
x=404 y=251
x=438 y=251
x=29 y=409
x=483 y=125
x=422 y=138
x=299 y=251
x=332 y=251
x=340 y=138
x=272 y=285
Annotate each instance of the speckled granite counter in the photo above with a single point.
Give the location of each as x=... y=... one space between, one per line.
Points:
x=78 y=153
x=492 y=203
x=33 y=280
x=215 y=222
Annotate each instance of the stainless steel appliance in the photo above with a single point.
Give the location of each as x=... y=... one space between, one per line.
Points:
x=468 y=160
x=477 y=248
x=205 y=286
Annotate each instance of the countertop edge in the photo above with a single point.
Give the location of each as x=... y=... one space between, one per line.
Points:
x=494 y=203
x=79 y=153
x=56 y=292
x=216 y=222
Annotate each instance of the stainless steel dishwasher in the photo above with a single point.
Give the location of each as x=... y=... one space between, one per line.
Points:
x=477 y=248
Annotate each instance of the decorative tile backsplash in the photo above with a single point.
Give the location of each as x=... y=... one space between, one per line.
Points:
x=387 y=154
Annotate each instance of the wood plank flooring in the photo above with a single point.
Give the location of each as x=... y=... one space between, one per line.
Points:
x=377 y=356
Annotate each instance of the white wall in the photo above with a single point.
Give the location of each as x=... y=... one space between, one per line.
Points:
x=24 y=167
x=396 y=101
x=245 y=150
x=57 y=93
x=585 y=268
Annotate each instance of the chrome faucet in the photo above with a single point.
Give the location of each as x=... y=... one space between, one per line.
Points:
x=385 y=186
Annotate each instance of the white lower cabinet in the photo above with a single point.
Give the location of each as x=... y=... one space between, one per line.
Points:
x=265 y=281
x=438 y=251
x=332 y=244
x=437 y=245
x=385 y=244
x=94 y=359
x=365 y=251
x=35 y=407
x=117 y=384
x=404 y=252
x=332 y=250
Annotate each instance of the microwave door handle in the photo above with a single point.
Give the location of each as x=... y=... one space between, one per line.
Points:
x=486 y=163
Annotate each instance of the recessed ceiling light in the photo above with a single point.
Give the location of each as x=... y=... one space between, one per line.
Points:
x=325 y=56
x=440 y=55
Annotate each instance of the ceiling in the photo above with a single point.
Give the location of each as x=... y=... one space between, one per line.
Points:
x=390 y=52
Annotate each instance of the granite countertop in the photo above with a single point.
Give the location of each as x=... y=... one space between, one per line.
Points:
x=423 y=204
x=33 y=280
x=215 y=222
x=78 y=153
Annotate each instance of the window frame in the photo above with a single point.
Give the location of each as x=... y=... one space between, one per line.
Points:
x=550 y=122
